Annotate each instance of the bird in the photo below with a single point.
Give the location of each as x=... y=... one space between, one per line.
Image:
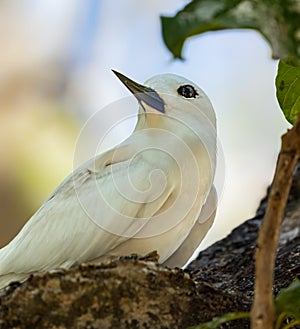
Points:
x=153 y=191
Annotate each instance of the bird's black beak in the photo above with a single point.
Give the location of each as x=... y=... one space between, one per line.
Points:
x=142 y=93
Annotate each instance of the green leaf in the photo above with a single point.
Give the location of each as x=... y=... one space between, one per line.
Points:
x=277 y=20
x=216 y=322
x=288 y=301
x=288 y=90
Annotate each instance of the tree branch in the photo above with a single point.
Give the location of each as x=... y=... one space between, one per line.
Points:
x=263 y=313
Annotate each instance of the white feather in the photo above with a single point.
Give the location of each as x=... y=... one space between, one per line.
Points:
x=146 y=194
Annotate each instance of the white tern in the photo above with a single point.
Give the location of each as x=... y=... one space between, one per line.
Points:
x=154 y=191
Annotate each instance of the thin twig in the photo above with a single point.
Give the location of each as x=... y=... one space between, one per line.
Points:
x=263 y=313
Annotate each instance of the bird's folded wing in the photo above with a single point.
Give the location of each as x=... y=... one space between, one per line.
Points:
x=198 y=232
x=102 y=204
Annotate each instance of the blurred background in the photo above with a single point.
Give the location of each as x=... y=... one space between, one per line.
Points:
x=55 y=73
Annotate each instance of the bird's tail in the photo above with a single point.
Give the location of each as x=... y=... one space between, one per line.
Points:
x=6 y=276
x=6 y=279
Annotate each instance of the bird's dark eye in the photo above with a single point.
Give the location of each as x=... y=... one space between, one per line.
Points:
x=187 y=91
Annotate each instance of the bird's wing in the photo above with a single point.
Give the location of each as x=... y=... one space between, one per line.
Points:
x=198 y=232
x=99 y=206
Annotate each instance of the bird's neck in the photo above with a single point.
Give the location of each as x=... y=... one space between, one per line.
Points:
x=148 y=120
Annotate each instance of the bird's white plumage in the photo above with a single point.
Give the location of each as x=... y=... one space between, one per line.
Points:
x=146 y=194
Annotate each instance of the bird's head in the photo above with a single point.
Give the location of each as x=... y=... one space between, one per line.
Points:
x=171 y=95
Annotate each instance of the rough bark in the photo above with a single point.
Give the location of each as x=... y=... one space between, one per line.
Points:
x=126 y=293
x=133 y=292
